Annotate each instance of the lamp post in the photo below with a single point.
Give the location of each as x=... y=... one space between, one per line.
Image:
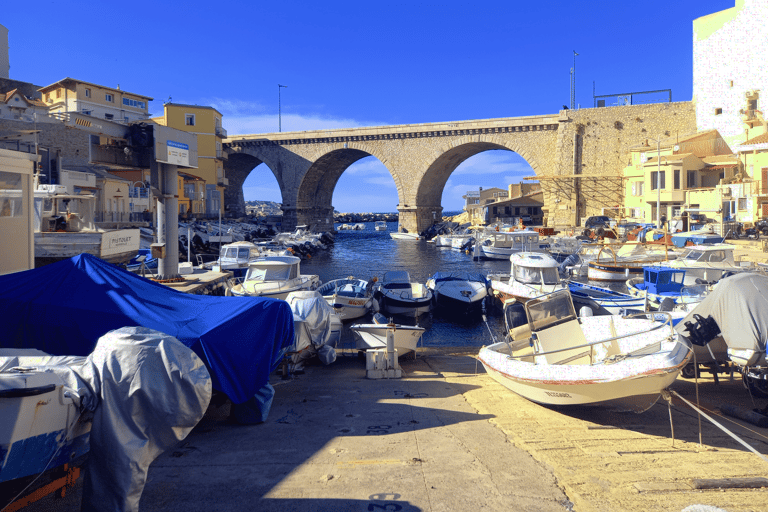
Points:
x=279 y=108
x=658 y=181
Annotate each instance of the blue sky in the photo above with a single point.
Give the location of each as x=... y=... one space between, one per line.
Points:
x=350 y=64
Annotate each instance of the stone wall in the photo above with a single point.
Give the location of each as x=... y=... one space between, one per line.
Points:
x=596 y=142
x=64 y=142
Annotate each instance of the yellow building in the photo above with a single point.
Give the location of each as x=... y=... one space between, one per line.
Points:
x=678 y=173
x=753 y=154
x=70 y=95
x=206 y=123
x=191 y=195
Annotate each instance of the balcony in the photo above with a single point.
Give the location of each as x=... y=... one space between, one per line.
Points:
x=221 y=154
x=221 y=132
x=752 y=117
x=222 y=182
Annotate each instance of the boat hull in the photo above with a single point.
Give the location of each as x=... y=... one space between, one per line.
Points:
x=397 y=306
x=350 y=298
x=374 y=336
x=114 y=246
x=613 y=271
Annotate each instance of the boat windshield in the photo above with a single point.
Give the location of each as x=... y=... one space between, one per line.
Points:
x=692 y=254
x=536 y=275
x=550 y=309
x=274 y=273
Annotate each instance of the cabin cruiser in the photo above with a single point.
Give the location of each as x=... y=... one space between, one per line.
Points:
x=274 y=277
x=380 y=225
x=235 y=258
x=64 y=226
x=531 y=274
x=397 y=295
x=350 y=297
x=708 y=263
x=500 y=245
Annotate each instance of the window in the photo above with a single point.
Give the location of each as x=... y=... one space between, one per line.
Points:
x=691 y=179
x=657 y=176
x=87 y=112
x=109 y=98
x=189 y=119
x=11 y=194
x=58 y=93
x=742 y=203
x=677 y=179
x=109 y=116
x=47 y=97
x=133 y=103
x=718 y=111
x=87 y=93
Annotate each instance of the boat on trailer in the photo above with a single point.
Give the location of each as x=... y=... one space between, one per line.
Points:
x=557 y=358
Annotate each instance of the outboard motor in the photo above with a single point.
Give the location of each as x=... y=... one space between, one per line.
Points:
x=568 y=262
x=703 y=330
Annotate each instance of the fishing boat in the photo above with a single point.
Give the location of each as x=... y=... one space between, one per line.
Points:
x=610 y=361
x=397 y=295
x=459 y=291
x=380 y=225
x=612 y=301
x=274 y=277
x=624 y=264
x=531 y=274
x=350 y=297
x=659 y=283
x=374 y=335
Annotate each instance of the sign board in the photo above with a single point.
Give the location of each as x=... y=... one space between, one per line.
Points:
x=178 y=153
x=175 y=147
x=119 y=242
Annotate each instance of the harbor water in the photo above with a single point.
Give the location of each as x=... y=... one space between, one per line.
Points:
x=367 y=254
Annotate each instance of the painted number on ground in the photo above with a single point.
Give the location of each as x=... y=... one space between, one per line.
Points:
x=379 y=429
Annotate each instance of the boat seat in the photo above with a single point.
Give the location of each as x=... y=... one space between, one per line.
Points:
x=521 y=332
x=561 y=337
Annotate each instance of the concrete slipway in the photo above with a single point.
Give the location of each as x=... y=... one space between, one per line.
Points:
x=445 y=438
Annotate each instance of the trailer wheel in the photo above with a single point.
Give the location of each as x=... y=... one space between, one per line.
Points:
x=758 y=388
x=690 y=371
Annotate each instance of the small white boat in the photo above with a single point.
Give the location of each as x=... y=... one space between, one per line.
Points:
x=707 y=264
x=235 y=258
x=405 y=236
x=610 y=361
x=500 y=245
x=274 y=277
x=380 y=225
x=374 y=335
x=351 y=298
x=459 y=291
x=397 y=295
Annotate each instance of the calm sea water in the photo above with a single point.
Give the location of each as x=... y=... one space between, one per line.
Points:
x=366 y=254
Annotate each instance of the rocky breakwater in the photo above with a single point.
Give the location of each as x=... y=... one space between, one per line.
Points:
x=364 y=217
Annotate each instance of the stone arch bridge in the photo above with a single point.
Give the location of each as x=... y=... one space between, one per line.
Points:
x=578 y=155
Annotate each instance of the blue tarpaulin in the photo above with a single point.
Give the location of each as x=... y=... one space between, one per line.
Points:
x=65 y=307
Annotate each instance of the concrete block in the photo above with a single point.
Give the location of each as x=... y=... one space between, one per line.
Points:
x=185 y=268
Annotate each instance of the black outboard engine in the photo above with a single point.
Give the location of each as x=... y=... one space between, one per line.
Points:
x=703 y=330
x=568 y=262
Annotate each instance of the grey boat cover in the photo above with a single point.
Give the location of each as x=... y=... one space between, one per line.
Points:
x=739 y=305
x=145 y=391
x=312 y=327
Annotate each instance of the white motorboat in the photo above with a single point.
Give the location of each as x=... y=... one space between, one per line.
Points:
x=611 y=361
x=374 y=335
x=351 y=298
x=64 y=226
x=397 y=295
x=708 y=263
x=40 y=422
x=405 y=236
x=380 y=225
x=500 y=245
x=274 y=277
x=459 y=291
x=235 y=258
x=531 y=274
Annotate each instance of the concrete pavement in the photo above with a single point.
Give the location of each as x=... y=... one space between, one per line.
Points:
x=445 y=438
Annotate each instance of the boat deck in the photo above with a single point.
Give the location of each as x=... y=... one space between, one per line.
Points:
x=202 y=282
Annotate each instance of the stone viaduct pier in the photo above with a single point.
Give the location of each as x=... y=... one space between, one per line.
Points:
x=578 y=156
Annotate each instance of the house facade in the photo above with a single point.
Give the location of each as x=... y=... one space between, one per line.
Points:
x=15 y=105
x=206 y=123
x=113 y=104
x=496 y=205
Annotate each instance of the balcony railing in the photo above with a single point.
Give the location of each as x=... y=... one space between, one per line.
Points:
x=221 y=132
x=138 y=192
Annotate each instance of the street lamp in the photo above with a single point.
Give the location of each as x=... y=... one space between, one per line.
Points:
x=658 y=181
x=279 y=108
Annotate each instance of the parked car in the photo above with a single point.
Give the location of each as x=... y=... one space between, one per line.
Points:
x=597 y=221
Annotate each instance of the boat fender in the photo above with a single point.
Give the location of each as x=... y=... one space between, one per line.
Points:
x=703 y=330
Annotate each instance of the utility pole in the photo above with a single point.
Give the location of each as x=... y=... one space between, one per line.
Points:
x=279 y=108
x=573 y=81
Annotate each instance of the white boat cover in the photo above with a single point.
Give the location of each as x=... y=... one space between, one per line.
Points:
x=739 y=305
x=146 y=391
x=312 y=327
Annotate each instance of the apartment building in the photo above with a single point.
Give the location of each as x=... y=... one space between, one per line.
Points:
x=69 y=96
x=206 y=123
